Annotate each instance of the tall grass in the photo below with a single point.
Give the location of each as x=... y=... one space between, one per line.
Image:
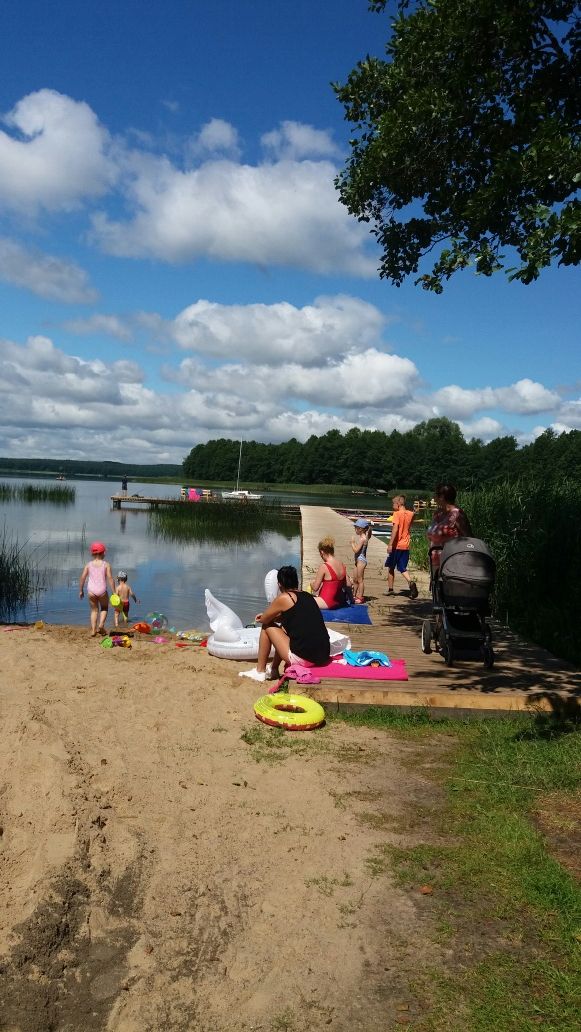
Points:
x=533 y=530
x=20 y=579
x=55 y=494
x=220 y=522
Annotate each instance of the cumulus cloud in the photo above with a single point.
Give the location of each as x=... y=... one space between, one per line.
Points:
x=274 y=333
x=485 y=428
x=100 y=325
x=286 y=213
x=526 y=397
x=295 y=140
x=44 y=274
x=216 y=137
x=364 y=381
x=55 y=155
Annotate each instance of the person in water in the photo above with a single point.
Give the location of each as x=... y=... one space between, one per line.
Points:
x=98 y=573
x=293 y=624
x=125 y=592
x=330 y=580
x=359 y=543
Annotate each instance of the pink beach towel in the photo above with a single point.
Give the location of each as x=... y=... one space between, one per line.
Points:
x=313 y=675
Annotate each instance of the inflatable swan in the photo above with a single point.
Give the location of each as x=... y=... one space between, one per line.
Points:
x=231 y=640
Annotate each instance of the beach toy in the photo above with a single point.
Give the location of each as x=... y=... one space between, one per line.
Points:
x=160 y=640
x=121 y=640
x=141 y=627
x=291 y=712
x=39 y=625
x=194 y=636
x=107 y=643
x=231 y=640
x=158 y=621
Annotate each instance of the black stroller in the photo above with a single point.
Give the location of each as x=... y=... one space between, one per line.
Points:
x=461 y=585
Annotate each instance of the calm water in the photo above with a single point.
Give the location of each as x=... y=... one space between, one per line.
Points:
x=166 y=577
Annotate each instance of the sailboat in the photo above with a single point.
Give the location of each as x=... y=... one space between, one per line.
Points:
x=240 y=495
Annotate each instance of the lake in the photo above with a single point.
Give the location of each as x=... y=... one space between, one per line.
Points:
x=167 y=577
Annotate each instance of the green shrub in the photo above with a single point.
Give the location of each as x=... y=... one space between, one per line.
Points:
x=532 y=529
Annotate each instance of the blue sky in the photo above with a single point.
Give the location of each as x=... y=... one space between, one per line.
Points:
x=175 y=264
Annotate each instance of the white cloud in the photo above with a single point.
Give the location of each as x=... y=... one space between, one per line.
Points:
x=55 y=156
x=216 y=137
x=100 y=324
x=272 y=334
x=295 y=140
x=44 y=274
x=366 y=380
x=286 y=213
x=526 y=397
x=484 y=428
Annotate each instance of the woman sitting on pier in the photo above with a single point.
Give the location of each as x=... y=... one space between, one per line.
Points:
x=330 y=580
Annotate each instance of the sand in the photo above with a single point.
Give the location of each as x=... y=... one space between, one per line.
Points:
x=170 y=863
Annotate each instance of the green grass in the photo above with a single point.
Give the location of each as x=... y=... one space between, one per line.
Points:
x=55 y=494
x=220 y=522
x=512 y=913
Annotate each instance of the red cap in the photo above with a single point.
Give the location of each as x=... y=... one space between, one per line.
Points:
x=98 y=547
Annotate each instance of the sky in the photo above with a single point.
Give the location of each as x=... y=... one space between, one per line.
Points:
x=176 y=266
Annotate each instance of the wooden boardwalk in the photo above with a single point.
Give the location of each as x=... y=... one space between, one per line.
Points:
x=524 y=675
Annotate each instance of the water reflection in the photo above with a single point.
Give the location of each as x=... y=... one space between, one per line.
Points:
x=168 y=574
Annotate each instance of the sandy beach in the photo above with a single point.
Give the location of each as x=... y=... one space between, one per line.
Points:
x=170 y=863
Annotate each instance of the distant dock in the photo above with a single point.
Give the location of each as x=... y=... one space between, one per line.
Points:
x=127 y=501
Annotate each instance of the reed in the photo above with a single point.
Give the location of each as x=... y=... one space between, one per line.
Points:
x=220 y=522
x=54 y=494
x=533 y=531
x=20 y=579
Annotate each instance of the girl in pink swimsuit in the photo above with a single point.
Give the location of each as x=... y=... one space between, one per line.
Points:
x=98 y=573
x=331 y=578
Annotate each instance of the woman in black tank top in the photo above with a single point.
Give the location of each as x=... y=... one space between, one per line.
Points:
x=294 y=625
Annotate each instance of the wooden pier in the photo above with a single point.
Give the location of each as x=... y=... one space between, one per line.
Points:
x=524 y=678
x=121 y=501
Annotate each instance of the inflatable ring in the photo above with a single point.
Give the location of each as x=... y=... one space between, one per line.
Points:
x=292 y=712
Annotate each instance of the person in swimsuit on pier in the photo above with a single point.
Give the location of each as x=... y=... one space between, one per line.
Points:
x=359 y=543
x=330 y=580
x=98 y=573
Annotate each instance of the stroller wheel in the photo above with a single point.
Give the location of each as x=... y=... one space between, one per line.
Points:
x=427 y=637
x=448 y=653
x=488 y=657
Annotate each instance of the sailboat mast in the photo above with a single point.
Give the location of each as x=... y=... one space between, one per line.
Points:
x=239 y=461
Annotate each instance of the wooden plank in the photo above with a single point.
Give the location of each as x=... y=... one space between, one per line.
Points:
x=523 y=675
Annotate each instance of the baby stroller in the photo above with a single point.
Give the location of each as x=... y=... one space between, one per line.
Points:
x=461 y=585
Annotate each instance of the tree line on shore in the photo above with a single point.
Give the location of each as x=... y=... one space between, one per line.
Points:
x=433 y=450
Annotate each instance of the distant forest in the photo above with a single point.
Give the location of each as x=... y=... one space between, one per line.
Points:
x=77 y=467
x=434 y=450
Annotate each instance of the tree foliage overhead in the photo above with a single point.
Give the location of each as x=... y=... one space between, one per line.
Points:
x=468 y=138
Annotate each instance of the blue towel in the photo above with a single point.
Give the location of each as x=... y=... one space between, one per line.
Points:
x=347 y=614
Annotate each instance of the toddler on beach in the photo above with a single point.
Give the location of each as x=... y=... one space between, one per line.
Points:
x=98 y=573
x=125 y=592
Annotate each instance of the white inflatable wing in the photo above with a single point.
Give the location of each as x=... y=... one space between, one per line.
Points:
x=271 y=585
x=225 y=624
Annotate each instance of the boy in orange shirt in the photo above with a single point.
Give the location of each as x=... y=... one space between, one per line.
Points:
x=398 y=549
